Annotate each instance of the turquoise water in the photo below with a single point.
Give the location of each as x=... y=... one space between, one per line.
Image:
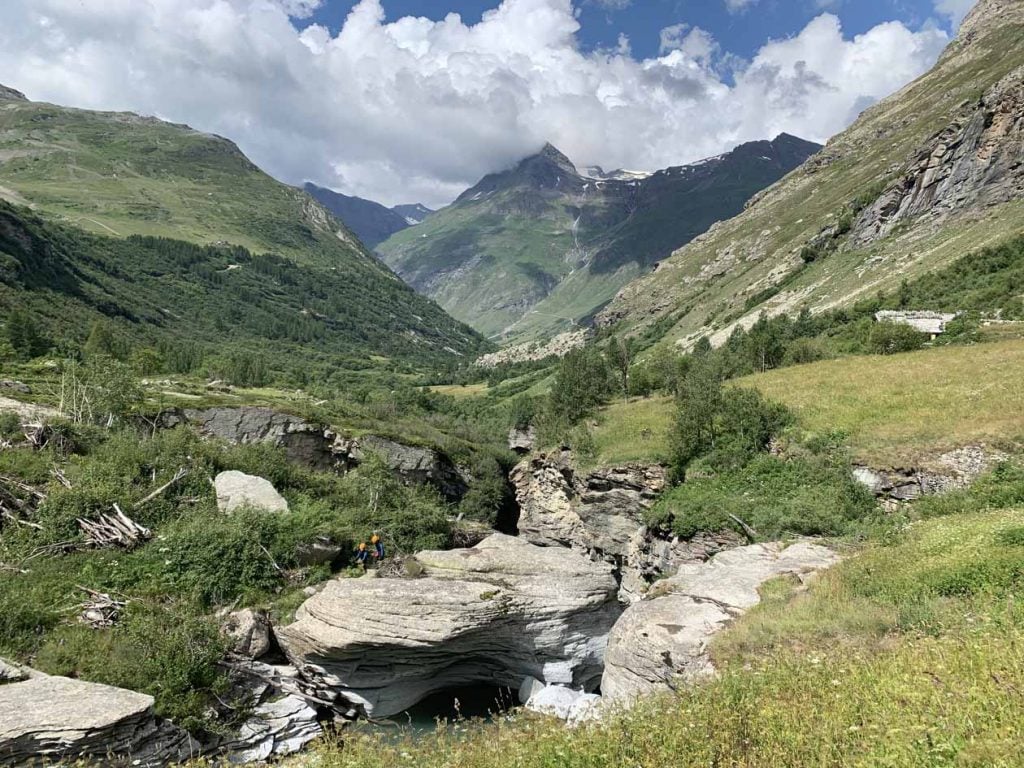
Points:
x=455 y=709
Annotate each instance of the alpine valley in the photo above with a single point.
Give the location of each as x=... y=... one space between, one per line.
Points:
x=541 y=247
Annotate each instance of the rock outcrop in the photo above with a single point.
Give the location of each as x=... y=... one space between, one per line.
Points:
x=236 y=490
x=951 y=471
x=661 y=641
x=977 y=161
x=56 y=719
x=283 y=717
x=493 y=614
x=414 y=464
x=318 y=447
x=601 y=510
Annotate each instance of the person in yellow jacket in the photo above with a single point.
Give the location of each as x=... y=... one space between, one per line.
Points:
x=378 y=547
x=361 y=555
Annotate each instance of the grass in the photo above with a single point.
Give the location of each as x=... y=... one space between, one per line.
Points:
x=636 y=430
x=460 y=391
x=896 y=410
x=906 y=655
x=901 y=410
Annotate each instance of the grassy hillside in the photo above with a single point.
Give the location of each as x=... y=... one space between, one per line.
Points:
x=121 y=174
x=899 y=410
x=176 y=238
x=895 y=410
x=192 y=302
x=808 y=240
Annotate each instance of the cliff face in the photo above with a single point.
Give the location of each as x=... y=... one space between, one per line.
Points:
x=976 y=162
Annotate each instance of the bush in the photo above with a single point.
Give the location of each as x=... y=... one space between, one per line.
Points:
x=161 y=649
x=812 y=496
x=723 y=427
x=892 y=338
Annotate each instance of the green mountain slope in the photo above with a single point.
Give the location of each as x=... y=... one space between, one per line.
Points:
x=94 y=179
x=539 y=248
x=928 y=175
x=192 y=301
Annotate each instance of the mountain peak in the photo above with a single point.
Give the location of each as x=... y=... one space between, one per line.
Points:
x=9 y=94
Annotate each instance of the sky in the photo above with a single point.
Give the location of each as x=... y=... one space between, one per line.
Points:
x=414 y=100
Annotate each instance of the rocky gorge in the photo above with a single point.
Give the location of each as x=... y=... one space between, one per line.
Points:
x=584 y=609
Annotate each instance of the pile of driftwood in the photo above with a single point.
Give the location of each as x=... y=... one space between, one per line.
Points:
x=116 y=530
x=100 y=610
x=18 y=502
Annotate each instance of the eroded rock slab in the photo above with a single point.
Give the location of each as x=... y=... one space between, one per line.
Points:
x=56 y=718
x=661 y=641
x=493 y=614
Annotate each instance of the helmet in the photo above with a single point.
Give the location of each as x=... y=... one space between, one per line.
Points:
x=375 y=539
x=362 y=545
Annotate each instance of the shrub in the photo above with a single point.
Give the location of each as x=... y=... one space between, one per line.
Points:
x=775 y=496
x=724 y=427
x=892 y=338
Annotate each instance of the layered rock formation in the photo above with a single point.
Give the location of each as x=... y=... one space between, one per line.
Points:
x=602 y=512
x=949 y=472
x=493 y=614
x=661 y=641
x=977 y=161
x=56 y=719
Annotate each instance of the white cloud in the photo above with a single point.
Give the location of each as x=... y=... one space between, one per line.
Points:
x=417 y=110
x=737 y=6
x=954 y=10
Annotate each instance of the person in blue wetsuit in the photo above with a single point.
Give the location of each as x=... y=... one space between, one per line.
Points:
x=362 y=555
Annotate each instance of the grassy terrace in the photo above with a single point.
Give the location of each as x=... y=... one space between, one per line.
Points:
x=897 y=410
x=902 y=409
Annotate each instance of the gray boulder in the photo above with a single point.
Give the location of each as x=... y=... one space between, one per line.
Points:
x=522 y=440
x=249 y=632
x=493 y=614
x=418 y=466
x=48 y=719
x=661 y=642
x=11 y=672
x=237 y=489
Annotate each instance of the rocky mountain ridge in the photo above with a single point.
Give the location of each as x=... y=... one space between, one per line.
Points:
x=538 y=248
x=918 y=180
x=371 y=222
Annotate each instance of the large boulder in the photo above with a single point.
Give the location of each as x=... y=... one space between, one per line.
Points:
x=50 y=719
x=305 y=443
x=318 y=447
x=493 y=614
x=416 y=465
x=662 y=641
x=237 y=489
